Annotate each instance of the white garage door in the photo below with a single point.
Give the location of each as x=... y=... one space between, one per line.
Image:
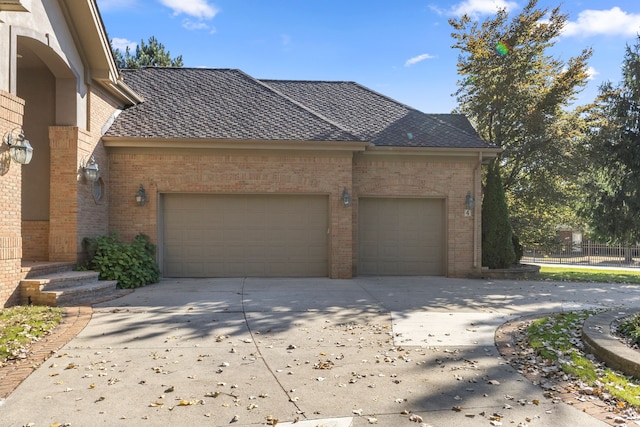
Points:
x=244 y=235
x=401 y=236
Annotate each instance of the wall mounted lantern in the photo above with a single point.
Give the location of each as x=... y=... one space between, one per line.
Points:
x=469 y=204
x=141 y=196
x=90 y=170
x=19 y=147
x=346 y=198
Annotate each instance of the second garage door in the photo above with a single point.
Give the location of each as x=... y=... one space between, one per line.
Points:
x=401 y=236
x=244 y=235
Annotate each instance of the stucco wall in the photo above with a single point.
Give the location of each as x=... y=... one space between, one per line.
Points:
x=423 y=176
x=214 y=171
x=11 y=113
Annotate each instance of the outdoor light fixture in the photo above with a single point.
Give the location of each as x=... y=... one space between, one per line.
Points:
x=19 y=148
x=346 y=198
x=141 y=196
x=469 y=204
x=90 y=170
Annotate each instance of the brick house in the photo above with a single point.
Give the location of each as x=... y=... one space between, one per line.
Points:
x=242 y=177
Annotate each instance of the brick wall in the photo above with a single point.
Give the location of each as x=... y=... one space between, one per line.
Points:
x=215 y=171
x=423 y=176
x=35 y=240
x=11 y=114
x=75 y=212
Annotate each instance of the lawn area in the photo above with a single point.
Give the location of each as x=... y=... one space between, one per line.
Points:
x=568 y=274
x=20 y=326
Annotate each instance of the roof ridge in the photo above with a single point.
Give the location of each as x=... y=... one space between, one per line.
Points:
x=301 y=105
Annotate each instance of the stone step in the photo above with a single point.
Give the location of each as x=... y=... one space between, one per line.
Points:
x=37 y=269
x=84 y=294
x=62 y=280
x=66 y=288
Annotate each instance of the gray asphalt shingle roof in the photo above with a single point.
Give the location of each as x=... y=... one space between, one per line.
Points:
x=229 y=104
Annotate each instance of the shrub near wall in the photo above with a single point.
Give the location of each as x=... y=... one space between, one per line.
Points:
x=131 y=264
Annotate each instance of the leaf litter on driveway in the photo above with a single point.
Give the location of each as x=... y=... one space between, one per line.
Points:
x=363 y=364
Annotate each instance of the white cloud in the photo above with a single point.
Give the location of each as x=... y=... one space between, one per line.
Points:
x=197 y=25
x=481 y=7
x=417 y=59
x=123 y=44
x=200 y=9
x=614 y=21
x=592 y=73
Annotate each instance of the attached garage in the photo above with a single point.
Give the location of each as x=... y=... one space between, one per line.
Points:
x=205 y=235
x=401 y=236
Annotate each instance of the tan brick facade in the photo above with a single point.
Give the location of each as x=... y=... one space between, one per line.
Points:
x=229 y=172
x=450 y=178
x=263 y=172
x=11 y=114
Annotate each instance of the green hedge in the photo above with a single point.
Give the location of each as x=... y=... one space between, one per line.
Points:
x=131 y=264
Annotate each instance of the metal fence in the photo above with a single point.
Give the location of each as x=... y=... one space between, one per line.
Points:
x=585 y=253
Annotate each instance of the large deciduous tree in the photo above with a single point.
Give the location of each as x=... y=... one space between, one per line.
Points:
x=612 y=181
x=152 y=54
x=518 y=97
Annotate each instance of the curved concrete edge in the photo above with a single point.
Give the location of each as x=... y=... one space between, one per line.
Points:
x=599 y=341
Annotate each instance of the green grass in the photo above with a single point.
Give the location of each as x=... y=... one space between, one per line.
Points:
x=22 y=325
x=554 y=338
x=568 y=274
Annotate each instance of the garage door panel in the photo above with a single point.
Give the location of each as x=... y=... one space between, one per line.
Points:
x=244 y=235
x=401 y=236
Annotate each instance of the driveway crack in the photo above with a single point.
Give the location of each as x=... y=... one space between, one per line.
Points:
x=266 y=364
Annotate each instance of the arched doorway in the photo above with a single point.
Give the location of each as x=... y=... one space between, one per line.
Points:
x=48 y=87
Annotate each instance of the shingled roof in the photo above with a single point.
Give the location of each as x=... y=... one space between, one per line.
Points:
x=229 y=104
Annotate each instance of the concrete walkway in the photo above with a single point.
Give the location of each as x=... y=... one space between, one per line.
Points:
x=336 y=353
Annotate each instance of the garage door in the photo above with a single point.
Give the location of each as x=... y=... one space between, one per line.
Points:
x=400 y=236
x=244 y=235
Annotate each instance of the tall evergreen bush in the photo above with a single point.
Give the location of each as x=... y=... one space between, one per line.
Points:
x=497 y=236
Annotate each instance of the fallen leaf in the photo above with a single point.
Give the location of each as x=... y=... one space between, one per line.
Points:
x=372 y=420
x=415 y=418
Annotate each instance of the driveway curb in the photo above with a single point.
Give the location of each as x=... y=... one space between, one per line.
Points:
x=599 y=341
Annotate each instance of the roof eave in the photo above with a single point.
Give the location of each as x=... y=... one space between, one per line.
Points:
x=487 y=153
x=91 y=38
x=235 y=144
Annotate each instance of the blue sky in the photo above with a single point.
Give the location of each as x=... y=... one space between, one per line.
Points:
x=401 y=49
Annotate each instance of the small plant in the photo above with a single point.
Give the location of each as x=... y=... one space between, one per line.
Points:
x=629 y=328
x=131 y=264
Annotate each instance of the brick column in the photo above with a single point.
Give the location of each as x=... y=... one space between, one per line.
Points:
x=11 y=115
x=63 y=222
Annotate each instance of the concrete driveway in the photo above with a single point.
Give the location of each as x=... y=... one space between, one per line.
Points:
x=308 y=352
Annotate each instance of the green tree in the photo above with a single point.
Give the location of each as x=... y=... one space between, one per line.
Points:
x=518 y=97
x=497 y=238
x=152 y=54
x=612 y=181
